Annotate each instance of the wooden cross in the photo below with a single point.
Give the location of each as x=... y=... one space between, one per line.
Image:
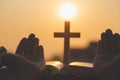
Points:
x=66 y=35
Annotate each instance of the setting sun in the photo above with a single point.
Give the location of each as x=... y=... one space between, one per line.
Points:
x=67 y=11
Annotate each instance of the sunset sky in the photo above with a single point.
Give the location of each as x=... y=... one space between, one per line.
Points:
x=19 y=18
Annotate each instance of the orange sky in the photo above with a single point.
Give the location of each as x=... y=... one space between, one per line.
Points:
x=19 y=18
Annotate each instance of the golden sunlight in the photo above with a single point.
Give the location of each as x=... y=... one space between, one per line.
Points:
x=67 y=11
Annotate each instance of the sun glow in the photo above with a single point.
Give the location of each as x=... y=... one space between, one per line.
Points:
x=67 y=11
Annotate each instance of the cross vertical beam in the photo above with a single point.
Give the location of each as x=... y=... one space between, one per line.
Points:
x=66 y=44
x=66 y=35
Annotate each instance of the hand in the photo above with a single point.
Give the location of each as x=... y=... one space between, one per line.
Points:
x=31 y=50
x=107 y=59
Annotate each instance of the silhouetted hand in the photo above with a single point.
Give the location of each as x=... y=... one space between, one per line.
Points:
x=108 y=56
x=31 y=50
x=27 y=64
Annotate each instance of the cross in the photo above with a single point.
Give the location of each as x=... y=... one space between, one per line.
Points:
x=66 y=35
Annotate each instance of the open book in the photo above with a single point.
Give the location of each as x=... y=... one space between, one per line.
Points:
x=74 y=68
x=60 y=65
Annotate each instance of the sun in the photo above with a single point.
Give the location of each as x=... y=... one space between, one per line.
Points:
x=67 y=11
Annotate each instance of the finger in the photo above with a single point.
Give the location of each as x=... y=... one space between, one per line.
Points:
x=109 y=35
x=117 y=41
x=28 y=47
x=21 y=47
x=104 y=43
x=41 y=52
x=31 y=36
x=29 y=44
x=3 y=50
x=31 y=39
x=99 y=47
x=41 y=55
x=36 y=42
x=109 y=40
x=103 y=40
x=109 y=32
x=35 y=47
x=102 y=36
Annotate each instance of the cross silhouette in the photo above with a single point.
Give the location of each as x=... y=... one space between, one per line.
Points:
x=66 y=35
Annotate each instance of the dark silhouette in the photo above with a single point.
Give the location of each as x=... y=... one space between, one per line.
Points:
x=50 y=72
x=31 y=50
x=18 y=68
x=107 y=60
x=27 y=64
x=67 y=36
x=3 y=50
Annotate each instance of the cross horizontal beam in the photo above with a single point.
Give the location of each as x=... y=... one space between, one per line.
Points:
x=59 y=34
x=76 y=35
